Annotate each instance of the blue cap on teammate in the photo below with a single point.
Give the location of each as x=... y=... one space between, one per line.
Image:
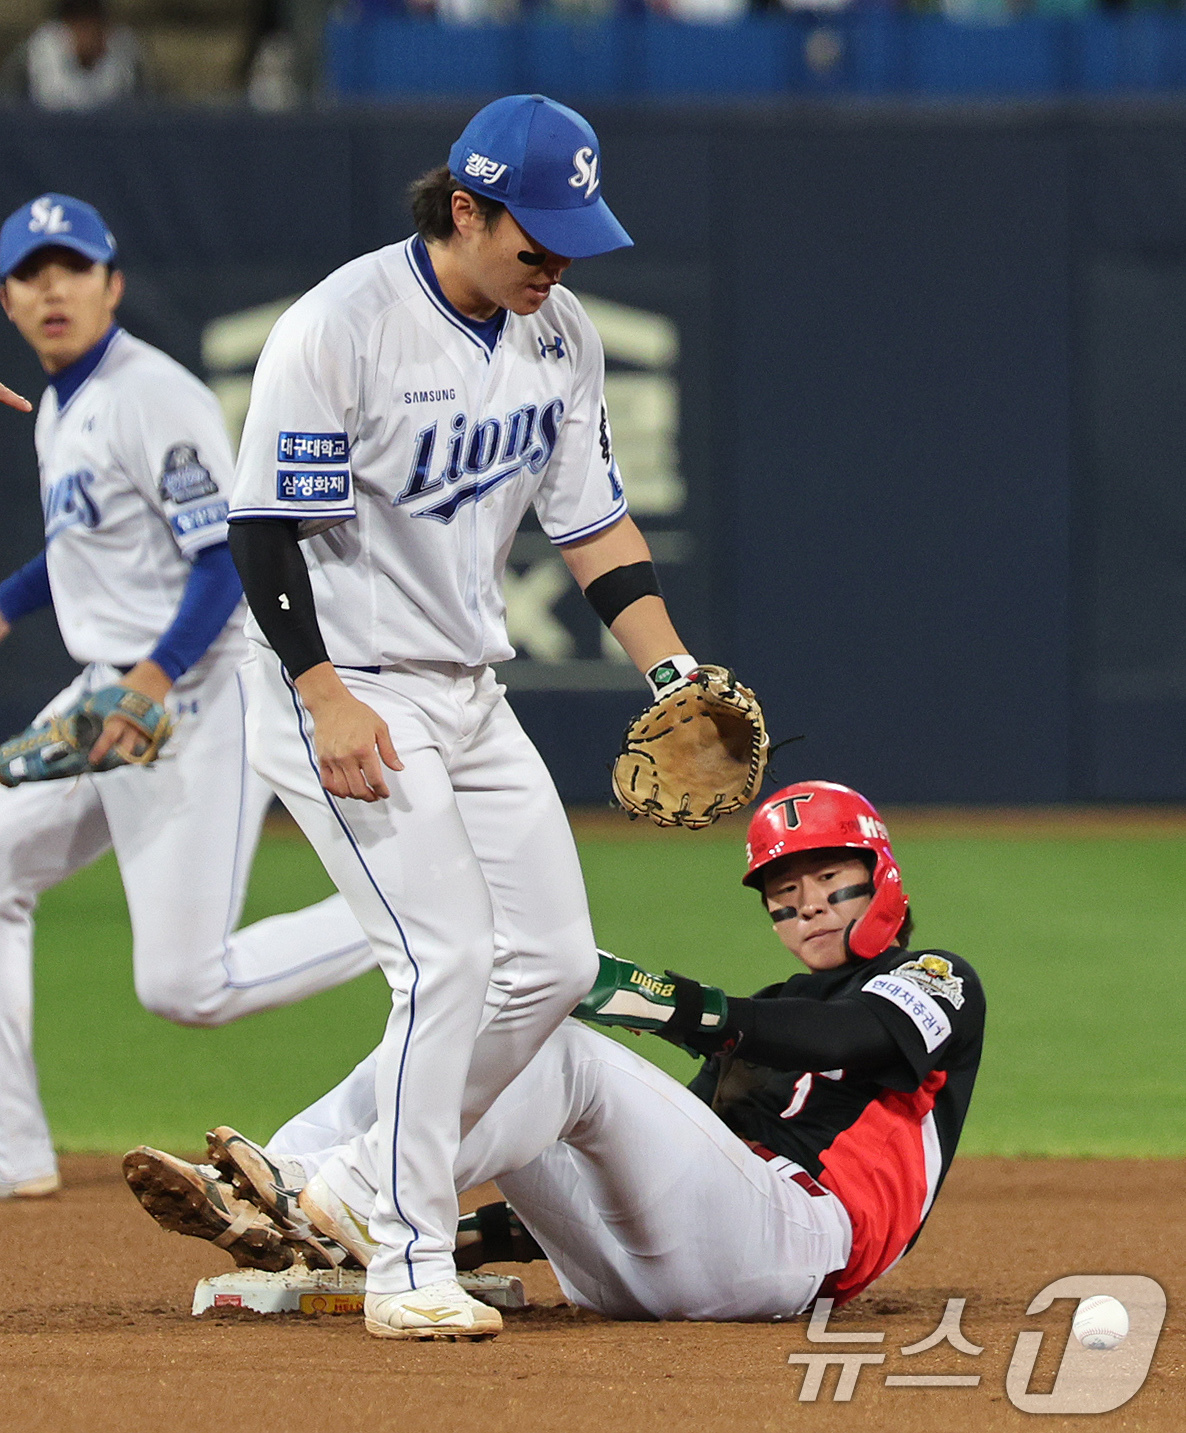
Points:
x=58 y=220
x=542 y=160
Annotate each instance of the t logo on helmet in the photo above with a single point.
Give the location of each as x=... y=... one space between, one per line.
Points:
x=790 y=809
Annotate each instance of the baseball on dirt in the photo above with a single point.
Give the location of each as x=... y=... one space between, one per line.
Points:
x=1100 y=1322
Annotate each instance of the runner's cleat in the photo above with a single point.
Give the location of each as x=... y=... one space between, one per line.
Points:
x=273 y=1185
x=188 y=1199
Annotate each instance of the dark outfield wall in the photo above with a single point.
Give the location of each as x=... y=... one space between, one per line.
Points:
x=902 y=395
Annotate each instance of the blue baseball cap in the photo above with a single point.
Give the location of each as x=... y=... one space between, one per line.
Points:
x=58 y=220
x=542 y=160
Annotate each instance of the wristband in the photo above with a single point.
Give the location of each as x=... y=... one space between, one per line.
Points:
x=610 y=594
x=669 y=670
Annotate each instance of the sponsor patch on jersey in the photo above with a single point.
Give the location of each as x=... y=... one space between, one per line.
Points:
x=184 y=478
x=193 y=519
x=312 y=448
x=933 y=1025
x=312 y=487
x=430 y=395
x=933 y=973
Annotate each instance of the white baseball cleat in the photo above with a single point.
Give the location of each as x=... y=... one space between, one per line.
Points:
x=32 y=1188
x=333 y=1218
x=441 y=1310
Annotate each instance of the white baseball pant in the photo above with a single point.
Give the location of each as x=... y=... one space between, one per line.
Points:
x=645 y=1203
x=185 y=832
x=467 y=884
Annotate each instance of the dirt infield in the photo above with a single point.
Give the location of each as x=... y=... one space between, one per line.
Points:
x=95 y=1333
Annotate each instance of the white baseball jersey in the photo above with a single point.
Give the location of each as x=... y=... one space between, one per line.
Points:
x=135 y=471
x=410 y=447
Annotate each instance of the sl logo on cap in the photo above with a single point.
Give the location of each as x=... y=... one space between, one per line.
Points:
x=585 y=171
x=46 y=217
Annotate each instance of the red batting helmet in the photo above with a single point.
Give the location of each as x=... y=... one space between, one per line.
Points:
x=814 y=815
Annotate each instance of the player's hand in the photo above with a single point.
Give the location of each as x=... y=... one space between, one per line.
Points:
x=151 y=681
x=353 y=742
x=14 y=400
x=5 y=627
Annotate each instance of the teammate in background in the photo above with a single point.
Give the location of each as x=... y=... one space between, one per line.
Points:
x=404 y=416
x=802 y=1160
x=135 y=468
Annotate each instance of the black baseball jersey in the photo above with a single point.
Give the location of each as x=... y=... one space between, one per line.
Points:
x=880 y=1139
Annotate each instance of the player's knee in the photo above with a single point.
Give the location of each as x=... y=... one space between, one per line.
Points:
x=571 y=974
x=180 y=1003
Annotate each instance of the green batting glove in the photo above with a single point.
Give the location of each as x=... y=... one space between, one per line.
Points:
x=668 y=1005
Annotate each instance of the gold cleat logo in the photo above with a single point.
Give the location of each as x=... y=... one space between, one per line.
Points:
x=438 y=1315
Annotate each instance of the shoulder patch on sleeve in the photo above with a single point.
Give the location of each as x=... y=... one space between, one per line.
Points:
x=933 y=1024
x=932 y=972
x=185 y=524
x=312 y=448
x=312 y=487
x=184 y=477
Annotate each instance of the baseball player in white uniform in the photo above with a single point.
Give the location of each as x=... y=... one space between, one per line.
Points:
x=405 y=414
x=135 y=470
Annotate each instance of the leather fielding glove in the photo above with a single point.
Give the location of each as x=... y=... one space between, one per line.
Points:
x=62 y=748
x=697 y=753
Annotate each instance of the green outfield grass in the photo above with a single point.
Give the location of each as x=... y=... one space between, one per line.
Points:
x=1079 y=942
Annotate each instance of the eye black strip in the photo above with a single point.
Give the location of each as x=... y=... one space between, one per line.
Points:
x=850 y=893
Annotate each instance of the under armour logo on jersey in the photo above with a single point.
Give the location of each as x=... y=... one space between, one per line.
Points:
x=585 y=174
x=545 y=348
x=46 y=217
x=489 y=171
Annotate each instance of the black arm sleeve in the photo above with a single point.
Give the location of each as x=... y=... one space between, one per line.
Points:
x=276 y=583
x=805 y=1035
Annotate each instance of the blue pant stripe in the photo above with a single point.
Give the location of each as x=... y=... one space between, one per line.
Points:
x=403 y=1059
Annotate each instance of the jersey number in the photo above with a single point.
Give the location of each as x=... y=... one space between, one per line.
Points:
x=802 y=1090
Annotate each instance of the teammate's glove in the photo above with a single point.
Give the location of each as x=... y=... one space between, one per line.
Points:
x=62 y=748
x=669 y=1005
x=698 y=752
